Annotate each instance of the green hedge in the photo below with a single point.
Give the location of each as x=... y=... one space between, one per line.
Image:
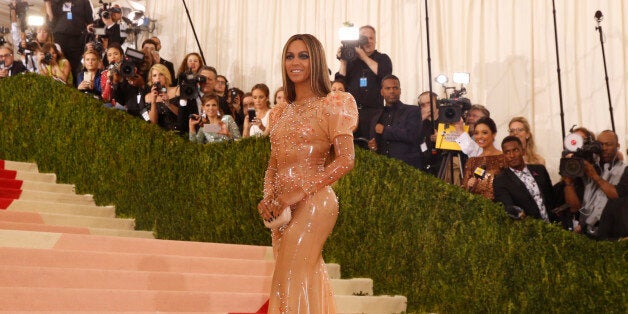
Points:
x=446 y=250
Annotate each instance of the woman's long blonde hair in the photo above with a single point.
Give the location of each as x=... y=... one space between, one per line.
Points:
x=531 y=155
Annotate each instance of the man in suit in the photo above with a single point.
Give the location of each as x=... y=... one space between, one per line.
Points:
x=396 y=129
x=528 y=187
x=8 y=66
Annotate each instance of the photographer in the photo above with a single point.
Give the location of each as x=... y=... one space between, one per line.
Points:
x=234 y=98
x=88 y=80
x=68 y=20
x=431 y=157
x=467 y=144
x=53 y=64
x=111 y=75
x=163 y=99
x=363 y=77
x=205 y=82
x=8 y=67
x=603 y=206
x=113 y=24
x=211 y=127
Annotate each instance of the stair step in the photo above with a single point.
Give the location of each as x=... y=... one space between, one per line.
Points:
x=37 y=186
x=80 y=278
x=67 y=299
x=371 y=304
x=54 y=197
x=61 y=208
x=67 y=220
x=28 y=176
x=5 y=225
x=18 y=165
x=92 y=243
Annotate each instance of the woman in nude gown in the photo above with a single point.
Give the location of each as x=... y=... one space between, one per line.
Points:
x=311 y=138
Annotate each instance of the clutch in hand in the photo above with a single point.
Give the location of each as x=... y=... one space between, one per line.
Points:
x=281 y=220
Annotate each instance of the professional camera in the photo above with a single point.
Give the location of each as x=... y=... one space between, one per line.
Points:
x=189 y=85
x=3 y=30
x=452 y=109
x=347 y=52
x=31 y=43
x=47 y=58
x=581 y=150
x=160 y=89
x=132 y=59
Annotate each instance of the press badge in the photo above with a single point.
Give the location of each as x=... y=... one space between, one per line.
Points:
x=67 y=8
x=363 y=82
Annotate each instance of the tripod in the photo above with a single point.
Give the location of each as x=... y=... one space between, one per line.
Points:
x=447 y=169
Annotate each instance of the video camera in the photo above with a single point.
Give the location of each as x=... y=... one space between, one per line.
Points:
x=3 y=30
x=452 y=109
x=188 y=83
x=581 y=150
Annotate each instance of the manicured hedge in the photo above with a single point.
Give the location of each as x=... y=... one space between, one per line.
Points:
x=446 y=250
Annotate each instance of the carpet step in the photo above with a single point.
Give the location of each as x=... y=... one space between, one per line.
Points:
x=37 y=186
x=18 y=166
x=61 y=208
x=80 y=278
x=33 y=195
x=67 y=220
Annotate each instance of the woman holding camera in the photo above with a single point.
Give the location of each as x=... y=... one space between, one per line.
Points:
x=311 y=136
x=111 y=75
x=53 y=64
x=234 y=98
x=256 y=121
x=162 y=98
x=89 y=79
x=480 y=171
x=192 y=62
x=211 y=127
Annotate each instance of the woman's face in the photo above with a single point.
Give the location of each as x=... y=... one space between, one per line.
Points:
x=193 y=63
x=483 y=136
x=260 y=100
x=337 y=87
x=210 y=108
x=54 y=54
x=90 y=61
x=42 y=35
x=113 y=55
x=221 y=85
x=297 y=62
x=281 y=97
x=156 y=76
x=517 y=129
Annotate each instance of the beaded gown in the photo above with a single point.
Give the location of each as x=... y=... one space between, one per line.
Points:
x=492 y=164
x=301 y=137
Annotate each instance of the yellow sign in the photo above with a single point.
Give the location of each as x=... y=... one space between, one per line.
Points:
x=446 y=138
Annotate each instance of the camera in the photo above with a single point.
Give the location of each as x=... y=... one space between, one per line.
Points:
x=189 y=85
x=132 y=58
x=252 y=114
x=160 y=89
x=347 y=52
x=47 y=58
x=31 y=43
x=582 y=150
x=452 y=109
x=3 y=30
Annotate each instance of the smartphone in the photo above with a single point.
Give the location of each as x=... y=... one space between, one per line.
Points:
x=88 y=76
x=251 y=114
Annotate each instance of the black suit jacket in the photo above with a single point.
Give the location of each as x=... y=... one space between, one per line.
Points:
x=510 y=190
x=403 y=135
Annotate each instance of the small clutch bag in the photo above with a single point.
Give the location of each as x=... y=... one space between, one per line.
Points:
x=280 y=221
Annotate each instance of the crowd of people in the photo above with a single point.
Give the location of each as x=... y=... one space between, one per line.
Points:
x=198 y=103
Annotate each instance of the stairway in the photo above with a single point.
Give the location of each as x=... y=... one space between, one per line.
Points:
x=59 y=252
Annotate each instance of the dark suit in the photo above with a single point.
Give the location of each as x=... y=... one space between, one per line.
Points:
x=510 y=190
x=170 y=68
x=402 y=137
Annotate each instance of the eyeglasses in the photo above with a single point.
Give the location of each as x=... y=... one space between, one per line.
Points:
x=221 y=82
x=516 y=130
x=6 y=55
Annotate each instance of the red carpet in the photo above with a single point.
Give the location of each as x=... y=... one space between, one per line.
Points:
x=11 y=184
x=1 y=164
x=10 y=193
x=5 y=203
x=7 y=174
